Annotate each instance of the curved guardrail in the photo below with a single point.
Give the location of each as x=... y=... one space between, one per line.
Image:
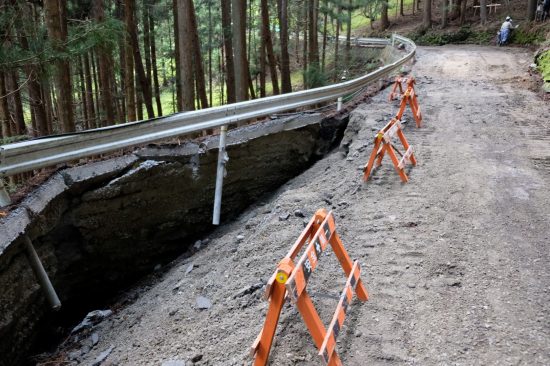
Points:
x=39 y=153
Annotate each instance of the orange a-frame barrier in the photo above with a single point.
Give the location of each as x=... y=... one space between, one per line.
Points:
x=383 y=145
x=407 y=97
x=290 y=281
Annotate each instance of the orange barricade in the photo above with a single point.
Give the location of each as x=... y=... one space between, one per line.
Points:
x=290 y=281
x=383 y=145
x=407 y=97
x=394 y=94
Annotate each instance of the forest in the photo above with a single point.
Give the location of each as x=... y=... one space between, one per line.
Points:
x=73 y=65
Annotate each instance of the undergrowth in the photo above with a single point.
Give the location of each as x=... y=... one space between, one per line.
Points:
x=543 y=65
x=463 y=35
x=521 y=36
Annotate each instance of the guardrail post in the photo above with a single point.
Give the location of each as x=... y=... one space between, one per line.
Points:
x=222 y=160
x=393 y=40
x=4 y=196
x=339 y=105
x=41 y=274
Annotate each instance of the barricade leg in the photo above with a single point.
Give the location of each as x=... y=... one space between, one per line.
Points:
x=402 y=106
x=263 y=343
x=406 y=145
x=380 y=154
x=393 y=93
x=415 y=109
x=395 y=161
x=368 y=168
x=347 y=265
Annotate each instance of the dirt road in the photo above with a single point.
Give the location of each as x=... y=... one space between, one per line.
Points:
x=457 y=261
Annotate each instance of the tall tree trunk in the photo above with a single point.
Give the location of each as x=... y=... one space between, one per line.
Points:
x=313 y=44
x=56 y=25
x=89 y=91
x=147 y=43
x=263 y=67
x=82 y=85
x=15 y=96
x=427 y=15
x=36 y=102
x=401 y=10
x=7 y=130
x=325 y=25
x=337 y=43
x=268 y=43
x=177 y=52
x=384 y=20
x=104 y=66
x=239 y=49
x=228 y=47
x=139 y=102
x=138 y=63
x=96 y=87
x=154 y=63
x=348 y=34
x=46 y=91
x=186 y=57
x=286 y=84
x=305 y=43
x=483 y=11
x=129 y=83
x=531 y=9
x=210 y=84
x=463 y=11
x=197 y=57
x=444 y=13
x=121 y=96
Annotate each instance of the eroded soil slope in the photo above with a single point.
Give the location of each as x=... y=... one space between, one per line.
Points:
x=456 y=261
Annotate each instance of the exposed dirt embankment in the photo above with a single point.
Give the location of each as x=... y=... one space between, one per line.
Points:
x=101 y=226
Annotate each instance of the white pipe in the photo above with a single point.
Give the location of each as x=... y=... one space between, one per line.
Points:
x=41 y=274
x=339 y=105
x=222 y=159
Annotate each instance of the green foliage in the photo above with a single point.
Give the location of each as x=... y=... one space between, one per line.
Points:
x=543 y=65
x=87 y=35
x=83 y=36
x=12 y=139
x=463 y=35
x=314 y=77
x=526 y=36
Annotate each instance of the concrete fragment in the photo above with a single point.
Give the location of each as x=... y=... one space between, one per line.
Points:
x=103 y=356
x=299 y=213
x=95 y=339
x=203 y=303
x=173 y=363
x=284 y=216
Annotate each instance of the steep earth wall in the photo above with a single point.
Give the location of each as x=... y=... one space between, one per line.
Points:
x=100 y=226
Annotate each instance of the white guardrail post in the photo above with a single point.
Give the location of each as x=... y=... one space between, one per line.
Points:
x=4 y=196
x=41 y=275
x=223 y=158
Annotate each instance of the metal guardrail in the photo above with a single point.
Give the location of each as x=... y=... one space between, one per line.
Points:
x=39 y=153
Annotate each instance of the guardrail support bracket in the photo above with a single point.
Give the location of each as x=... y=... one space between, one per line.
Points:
x=41 y=275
